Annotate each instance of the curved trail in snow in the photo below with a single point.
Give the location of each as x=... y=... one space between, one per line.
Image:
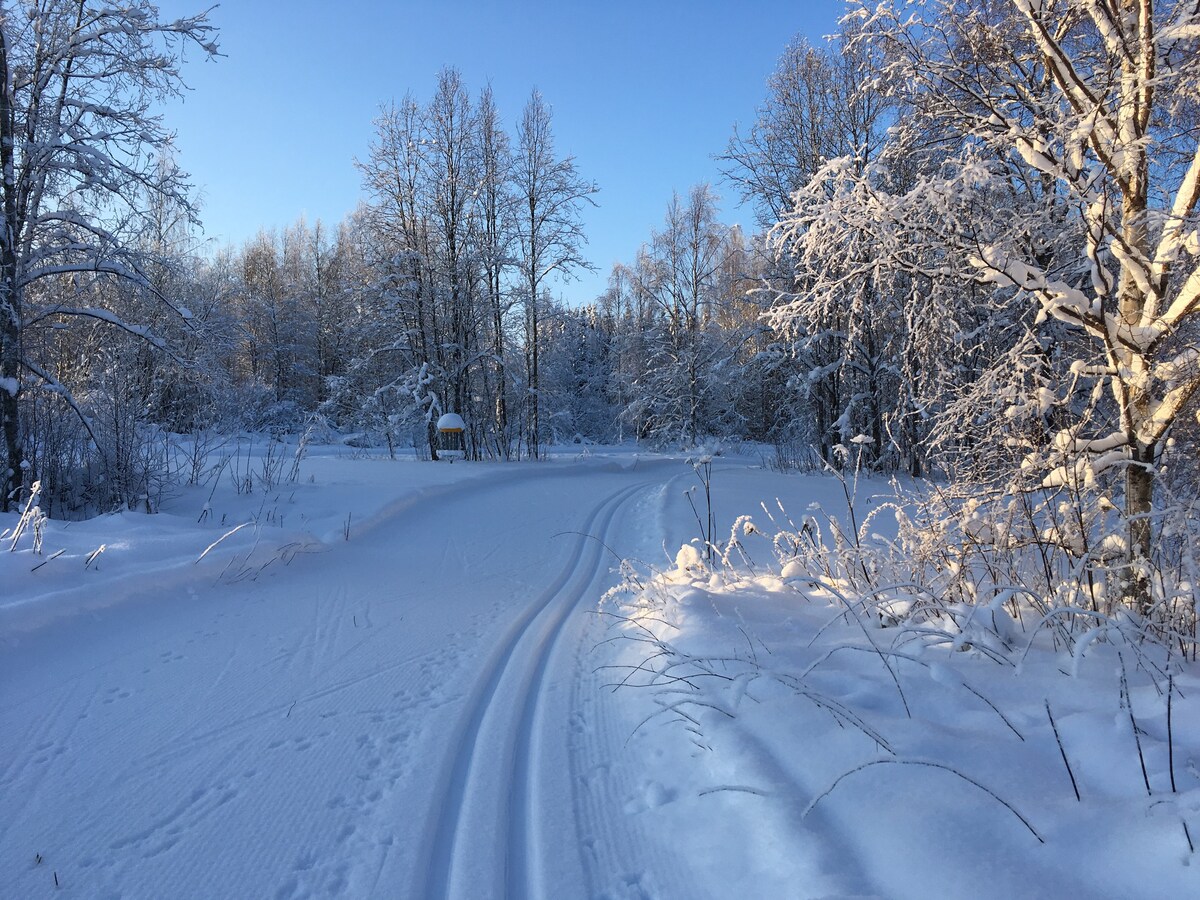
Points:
x=411 y=713
x=478 y=849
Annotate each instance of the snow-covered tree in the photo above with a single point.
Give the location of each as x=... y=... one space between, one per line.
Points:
x=549 y=194
x=822 y=103
x=78 y=131
x=407 y=342
x=577 y=374
x=464 y=227
x=493 y=230
x=677 y=272
x=1060 y=165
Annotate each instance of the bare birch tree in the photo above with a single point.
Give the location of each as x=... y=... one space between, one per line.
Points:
x=550 y=193
x=78 y=81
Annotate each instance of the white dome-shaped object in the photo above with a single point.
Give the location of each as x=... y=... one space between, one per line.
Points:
x=451 y=422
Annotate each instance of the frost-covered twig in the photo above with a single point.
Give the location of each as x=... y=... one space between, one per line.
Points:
x=928 y=764
x=850 y=605
x=213 y=545
x=28 y=515
x=94 y=555
x=55 y=555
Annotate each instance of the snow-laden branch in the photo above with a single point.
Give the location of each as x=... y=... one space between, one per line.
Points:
x=1175 y=240
x=50 y=383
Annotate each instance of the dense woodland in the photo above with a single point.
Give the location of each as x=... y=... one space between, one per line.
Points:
x=976 y=257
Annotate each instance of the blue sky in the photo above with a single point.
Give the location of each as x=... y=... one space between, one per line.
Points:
x=643 y=93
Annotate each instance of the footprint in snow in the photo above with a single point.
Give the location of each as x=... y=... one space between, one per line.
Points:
x=651 y=796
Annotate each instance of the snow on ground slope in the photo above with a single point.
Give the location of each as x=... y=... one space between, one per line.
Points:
x=796 y=751
x=298 y=714
x=397 y=681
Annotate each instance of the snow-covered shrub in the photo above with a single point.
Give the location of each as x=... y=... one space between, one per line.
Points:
x=97 y=452
x=791 y=453
x=994 y=569
x=390 y=408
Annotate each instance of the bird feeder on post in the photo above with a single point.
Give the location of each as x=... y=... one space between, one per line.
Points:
x=452 y=436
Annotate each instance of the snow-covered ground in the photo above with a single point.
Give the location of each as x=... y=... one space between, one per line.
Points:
x=398 y=681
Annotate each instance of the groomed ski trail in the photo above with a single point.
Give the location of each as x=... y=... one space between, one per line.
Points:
x=410 y=713
x=492 y=849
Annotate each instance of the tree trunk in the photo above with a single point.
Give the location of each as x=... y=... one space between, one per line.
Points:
x=1139 y=505
x=10 y=375
x=534 y=423
x=1133 y=123
x=10 y=295
x=431 y=433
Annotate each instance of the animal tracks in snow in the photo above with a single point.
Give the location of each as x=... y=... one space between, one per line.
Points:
x=400 y=716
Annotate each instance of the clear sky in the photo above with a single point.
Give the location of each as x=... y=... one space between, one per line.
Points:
x=643 y=95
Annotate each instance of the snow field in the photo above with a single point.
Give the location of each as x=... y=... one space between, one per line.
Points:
x=798 y=741
x=378 y=716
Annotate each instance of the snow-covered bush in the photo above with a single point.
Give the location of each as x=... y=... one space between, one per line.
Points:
x=815 y=673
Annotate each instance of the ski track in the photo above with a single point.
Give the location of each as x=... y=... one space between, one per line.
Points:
x=619 y=863
x=268 y=669
x=524 y=657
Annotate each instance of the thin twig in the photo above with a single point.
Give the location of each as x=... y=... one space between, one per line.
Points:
x=1062 y=750
x=221 y=538
x=1133 y=723
x=1171 y=737
x=55 y=555
x=91 y=557
x=932 y=765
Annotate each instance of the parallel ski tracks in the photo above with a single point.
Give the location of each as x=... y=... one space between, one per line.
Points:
x=461 y=834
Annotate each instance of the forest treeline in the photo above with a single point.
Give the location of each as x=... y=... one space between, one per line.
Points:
x=435 y=295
